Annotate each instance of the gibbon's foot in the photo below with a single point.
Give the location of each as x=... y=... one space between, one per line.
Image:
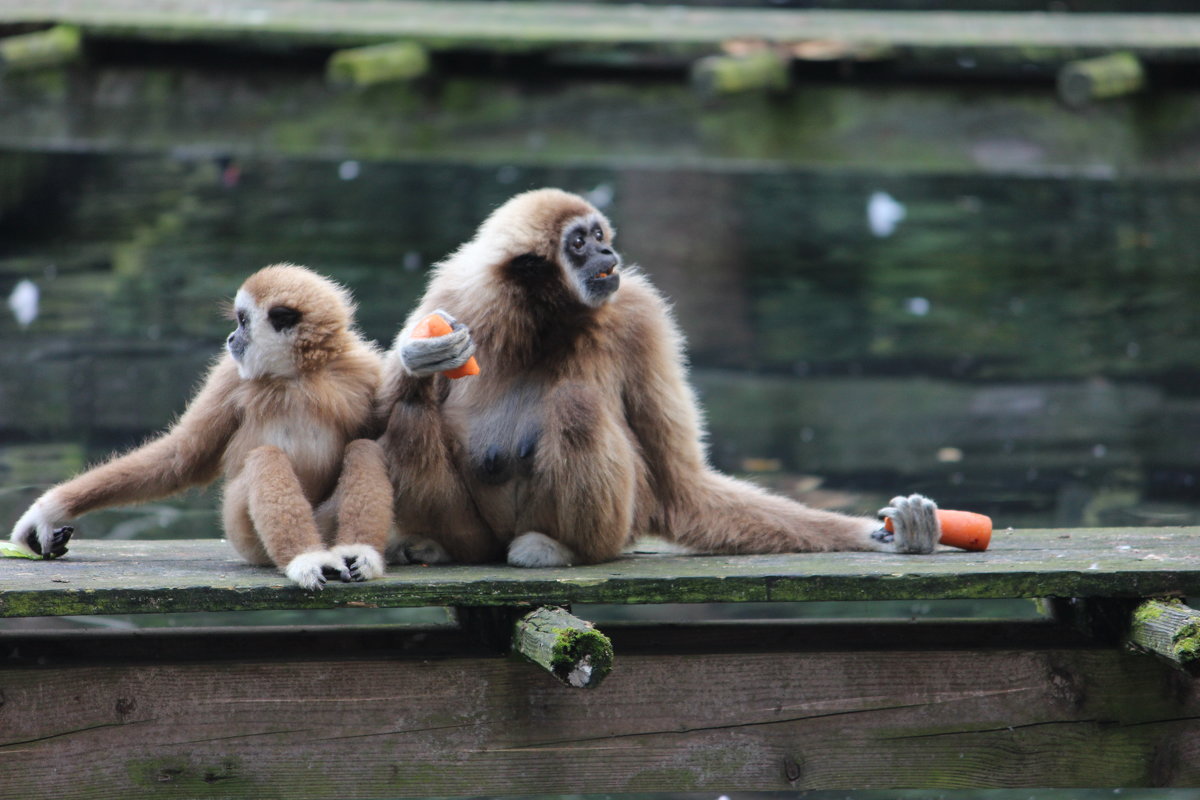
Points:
x=915 y=528
x=58 y=543
x=437 y=354
x=311 y=570
x=538 y=550
x=363 y=561
x=417 y=550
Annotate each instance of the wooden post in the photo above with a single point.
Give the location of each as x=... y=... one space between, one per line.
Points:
x=1081 y=82
x=1169 y=629
x=50 y=48
x=758 y=70
x=381 y=63
x=572 y=649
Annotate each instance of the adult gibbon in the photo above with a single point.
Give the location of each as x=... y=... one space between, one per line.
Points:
x=279 y=414
x=582 y=430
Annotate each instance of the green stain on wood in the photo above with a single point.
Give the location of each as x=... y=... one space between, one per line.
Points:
x=198 y=776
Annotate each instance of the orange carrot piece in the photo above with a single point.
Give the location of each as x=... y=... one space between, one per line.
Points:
x=436 y=325
x=964 y=529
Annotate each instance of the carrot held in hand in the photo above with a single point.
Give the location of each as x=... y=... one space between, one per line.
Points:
x=964 y=529
x=436 y=325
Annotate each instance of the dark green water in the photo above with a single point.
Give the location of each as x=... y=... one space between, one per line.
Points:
x=1023 y=346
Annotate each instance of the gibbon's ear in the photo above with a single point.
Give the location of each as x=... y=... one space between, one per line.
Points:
x=282 y=317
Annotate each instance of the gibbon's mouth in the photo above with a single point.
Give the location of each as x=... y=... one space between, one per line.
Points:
x=604 y=274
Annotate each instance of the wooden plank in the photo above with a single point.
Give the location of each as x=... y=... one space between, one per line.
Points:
x=335 y=727
x=510 y=24
x=105 y=577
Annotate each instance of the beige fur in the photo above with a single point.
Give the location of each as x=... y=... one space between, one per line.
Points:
x=599 y=383
x=282 y=424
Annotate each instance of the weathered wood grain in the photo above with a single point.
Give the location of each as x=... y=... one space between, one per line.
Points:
x=515 y=24
x=335 y=726
x=104 y=577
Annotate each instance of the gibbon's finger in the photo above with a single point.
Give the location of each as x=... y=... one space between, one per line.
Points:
x=58 y=543
x=450 y=318
x=341 y=573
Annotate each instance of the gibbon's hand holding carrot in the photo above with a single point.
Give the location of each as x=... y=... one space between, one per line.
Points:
x=278 y=414
x=439 y=323
x=963 y=529
x=439 y=343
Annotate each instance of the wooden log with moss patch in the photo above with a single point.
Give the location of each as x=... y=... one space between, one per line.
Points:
x=759 y=70
x=55 y=47
x=381 y=63
x=1168 y=629
x=1084 y=82
x=568 y=647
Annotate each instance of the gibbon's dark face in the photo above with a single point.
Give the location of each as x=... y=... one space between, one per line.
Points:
x=590 y=260
x=264 y=342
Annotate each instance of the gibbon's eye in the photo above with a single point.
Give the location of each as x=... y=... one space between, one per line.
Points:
x=577 y=241
x=282 y=317
x=241 y=318
x=599 y=234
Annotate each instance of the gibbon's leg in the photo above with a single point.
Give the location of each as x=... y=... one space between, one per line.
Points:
x=362 y=504
x=436 y=518
x=284 y=520
x=586 y=476
x=235 y=517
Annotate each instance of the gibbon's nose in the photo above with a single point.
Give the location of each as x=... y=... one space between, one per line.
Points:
x=229 y=339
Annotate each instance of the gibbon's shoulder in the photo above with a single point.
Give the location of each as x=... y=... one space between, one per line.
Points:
x=638 y=304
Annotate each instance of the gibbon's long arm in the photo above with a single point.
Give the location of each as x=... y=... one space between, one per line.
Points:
x=660 y=407
x=188 y=454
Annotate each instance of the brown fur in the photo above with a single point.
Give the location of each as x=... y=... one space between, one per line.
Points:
x=619 y=449
x=286 y=445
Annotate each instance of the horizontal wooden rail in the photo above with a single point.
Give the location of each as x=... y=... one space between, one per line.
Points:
x=108 y=577
x=510 y=25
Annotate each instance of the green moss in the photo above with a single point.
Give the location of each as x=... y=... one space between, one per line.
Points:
x=573 y=645
x=1187 y=643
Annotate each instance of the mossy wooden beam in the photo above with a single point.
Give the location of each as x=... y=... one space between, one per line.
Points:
x=381 y=63
x=1092 y=79
x=760 y=70
x=1168 y=629
x=569 y=648
x=117 y=577
x=55 y=47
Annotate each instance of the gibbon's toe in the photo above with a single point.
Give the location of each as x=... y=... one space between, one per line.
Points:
x=311 y=570
x=419 y=550
x=363 y=562
x=914 y=524
x=538 y=550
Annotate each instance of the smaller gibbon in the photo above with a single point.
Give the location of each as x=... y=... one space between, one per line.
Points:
x=280 y=414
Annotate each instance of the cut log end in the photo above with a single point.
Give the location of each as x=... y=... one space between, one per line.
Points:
x=1168 y=629
x=566 y=646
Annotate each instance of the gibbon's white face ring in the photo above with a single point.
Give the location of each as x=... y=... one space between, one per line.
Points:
x=259 y=350
x=591 y=263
